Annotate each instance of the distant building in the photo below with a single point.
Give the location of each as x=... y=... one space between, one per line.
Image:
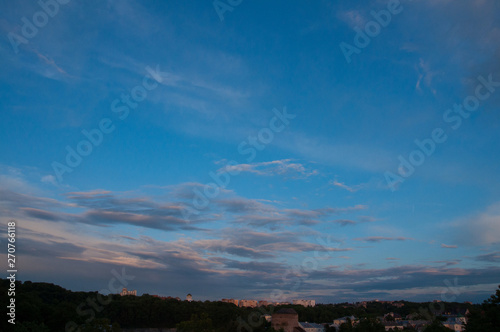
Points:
x=361 y=304
x=286 y=319
x=305 y=303
x=393 y=326
x=161 y=297
x=263 y=303
x=455 y=323
x=454 y=326
x=339 y=321
x=233 y=301
x=189 y=297
x=312 y=327
x=395 y=317
x=127 y=292
x=248 y=303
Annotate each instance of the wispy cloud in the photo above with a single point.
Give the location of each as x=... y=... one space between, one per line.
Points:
x=49 y=179
x=426 y=75
x=448 y=246
x=344 y=186
x=481 y=228
x=322 y=149
x=448 y=262
x=257 y=213
x=493 y=257
x=344 y=222
x=51 y=64
x=353 y=18
x=283 y=167
x=382 y=238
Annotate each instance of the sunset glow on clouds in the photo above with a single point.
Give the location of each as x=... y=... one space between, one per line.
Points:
x=229 y=159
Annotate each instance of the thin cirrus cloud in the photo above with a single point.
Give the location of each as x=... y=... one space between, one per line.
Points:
x=355 y=155
x=283 y=167
x=351 y=189
x=493 y=257
x=346 y=222
x=377 y=239
x=353 y=18
x=403 y=279
x=312 y=217
x=448 y=262
x=285 y=239
x=246 y=243
x=256 y=213
x=228 y=247
x=480 y=228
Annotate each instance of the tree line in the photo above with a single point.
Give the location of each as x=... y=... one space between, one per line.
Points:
x=45 y=307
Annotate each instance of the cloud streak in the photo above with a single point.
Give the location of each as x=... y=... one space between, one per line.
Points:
x=283 y=167
x=351 y=189
x=376 y=239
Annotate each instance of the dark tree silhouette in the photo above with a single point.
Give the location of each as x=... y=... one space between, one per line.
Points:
x=487 y=317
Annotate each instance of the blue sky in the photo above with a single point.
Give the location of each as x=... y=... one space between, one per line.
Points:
x=307 y=141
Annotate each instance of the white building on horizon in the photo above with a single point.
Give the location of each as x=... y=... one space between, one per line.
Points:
x=233 y=301
x=127 y=292
x=248 y=303
x=305 y=303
